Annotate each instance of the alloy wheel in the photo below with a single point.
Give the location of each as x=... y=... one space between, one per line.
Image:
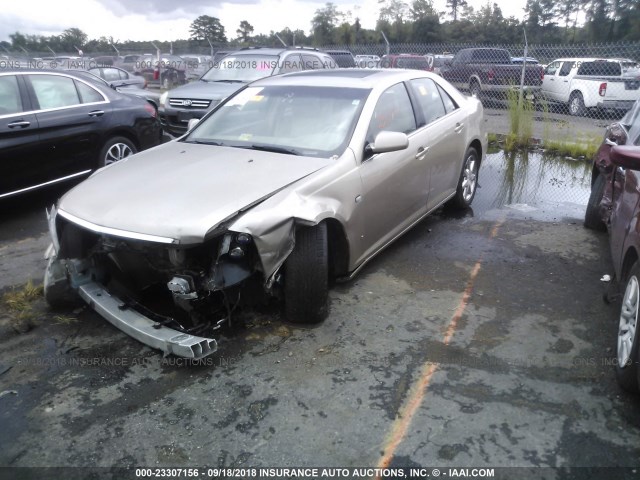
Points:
x=116 y=152
x=469 y=178
x=628 y=321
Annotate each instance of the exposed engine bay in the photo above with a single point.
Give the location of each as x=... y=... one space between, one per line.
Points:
x=190 y=289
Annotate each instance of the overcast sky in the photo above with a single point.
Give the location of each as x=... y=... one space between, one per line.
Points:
x=170 y=20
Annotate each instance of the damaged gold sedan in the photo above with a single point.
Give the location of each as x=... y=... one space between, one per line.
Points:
x=291 y=181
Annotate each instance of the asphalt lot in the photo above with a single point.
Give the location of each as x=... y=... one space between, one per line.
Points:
x=475 y=340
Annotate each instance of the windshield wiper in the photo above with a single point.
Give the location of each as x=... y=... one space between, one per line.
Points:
x=274 y=149
x=230 y=81
x=203 y=142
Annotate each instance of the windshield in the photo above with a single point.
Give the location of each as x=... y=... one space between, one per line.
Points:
x=299 y=120
x=242 y=68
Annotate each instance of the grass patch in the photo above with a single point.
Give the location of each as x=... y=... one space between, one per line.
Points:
x=520 y=122
x=64 y=320
x=19 y=301
x=22 y=305
x=581 y=147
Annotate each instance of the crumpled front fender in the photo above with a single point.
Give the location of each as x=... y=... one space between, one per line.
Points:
x=273 y=230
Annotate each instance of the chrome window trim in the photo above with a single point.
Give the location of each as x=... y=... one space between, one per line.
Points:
x=114 y=231
x=40 y=185
x=78 y=79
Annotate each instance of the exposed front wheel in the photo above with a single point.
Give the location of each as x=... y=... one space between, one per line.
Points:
x=306 y=276
x=468 y=181
x=628 y=337
x=116 y=149
x=592 y=218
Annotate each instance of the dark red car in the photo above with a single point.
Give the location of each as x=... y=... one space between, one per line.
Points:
x=614 y=204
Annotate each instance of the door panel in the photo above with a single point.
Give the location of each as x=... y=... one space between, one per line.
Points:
x=395 y=184
x=443 y=135
x=20 y=150
x=623 y=213
x=549 y=89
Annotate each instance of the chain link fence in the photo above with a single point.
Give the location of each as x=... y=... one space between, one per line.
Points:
x=570 y=94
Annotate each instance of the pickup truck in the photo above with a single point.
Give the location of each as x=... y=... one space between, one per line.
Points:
x=584 y=83
x=489 y=72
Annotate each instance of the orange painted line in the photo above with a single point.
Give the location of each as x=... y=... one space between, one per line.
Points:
x=403 y=420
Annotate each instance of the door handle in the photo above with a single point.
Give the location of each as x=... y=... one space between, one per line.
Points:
x=459 y=127
x=552 y=79
x=422 y=151
x=19 y=123
x=96 y=113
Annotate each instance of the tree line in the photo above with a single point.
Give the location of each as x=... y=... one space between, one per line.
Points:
x=545 y=22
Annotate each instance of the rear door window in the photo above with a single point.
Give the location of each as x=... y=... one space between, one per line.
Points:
x=111 y=74
x=54 y=91
x=429 y=99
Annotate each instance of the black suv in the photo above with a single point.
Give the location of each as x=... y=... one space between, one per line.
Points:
x=230 y=74
x=56 y=126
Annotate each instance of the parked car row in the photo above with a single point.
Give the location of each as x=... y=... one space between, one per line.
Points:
x=614 y=206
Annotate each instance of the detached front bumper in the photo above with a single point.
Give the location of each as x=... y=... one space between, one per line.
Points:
x=142 y=328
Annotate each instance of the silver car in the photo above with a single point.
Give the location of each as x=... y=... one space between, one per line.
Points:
x=291 y=181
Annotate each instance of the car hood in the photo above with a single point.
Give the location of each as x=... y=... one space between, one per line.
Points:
x=206 y=90
x=182 y=191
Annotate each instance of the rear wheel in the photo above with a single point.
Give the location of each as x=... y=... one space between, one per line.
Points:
x=628 y=337
x=306 y=276
x=475 y=90
x=576 y=105
x=592 y=218
x=468 y=181
x=116 y=149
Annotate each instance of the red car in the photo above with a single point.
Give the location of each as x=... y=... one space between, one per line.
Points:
x=615 y=205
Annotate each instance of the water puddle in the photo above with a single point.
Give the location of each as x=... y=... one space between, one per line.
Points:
x=538 y=185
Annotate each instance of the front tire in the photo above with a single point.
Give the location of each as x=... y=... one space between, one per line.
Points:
x=468 y=182
x=628 y=336
x=592 y=218
x=116 y=149
x=306 y=276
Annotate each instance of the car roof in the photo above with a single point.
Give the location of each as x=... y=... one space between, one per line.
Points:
x=404 y=55
x=344 y=78
x=274 y=50
x=592 y=59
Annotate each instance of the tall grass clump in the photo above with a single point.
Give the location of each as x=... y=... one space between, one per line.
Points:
x=520 y=121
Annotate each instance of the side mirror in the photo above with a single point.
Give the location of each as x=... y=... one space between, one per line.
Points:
x=386 y=141
x=625 y=156
x=192 y=123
